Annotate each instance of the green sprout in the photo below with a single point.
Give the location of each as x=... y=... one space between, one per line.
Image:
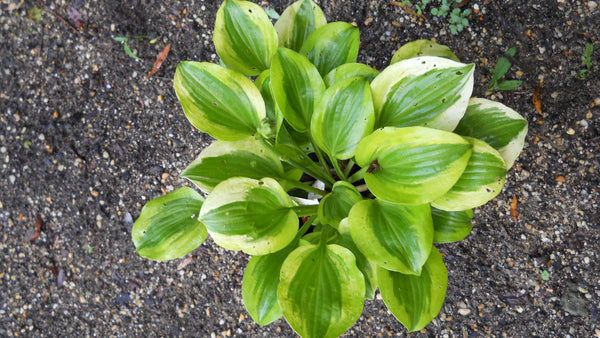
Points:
x=587 y=60
x=501 y=68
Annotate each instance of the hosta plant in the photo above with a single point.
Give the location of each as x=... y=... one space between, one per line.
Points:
x=336 y=178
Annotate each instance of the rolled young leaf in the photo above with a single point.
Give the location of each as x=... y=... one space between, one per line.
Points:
x=423 y=91
x=219 y=101
x=259 y=287
x=336 y=205
x=366 y=266
x=343 y=117
x=297 y=87
x=412 y=165
x=274 y=116
x=168 y=226
x=397 y=237
x=415 y=300
x=481 y=181
x=331 y=46
x=423 y=48
x=451 y=226
x=349 y=70
x=250 y=215
x=497 y=125
x=297 y=22
x=244 y=37
x=321 y=290
x=226 y=159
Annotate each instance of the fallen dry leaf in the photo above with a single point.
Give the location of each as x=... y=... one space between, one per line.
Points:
x=162 y=56
x=513 y=209
x=184 y=263
x=537 y=103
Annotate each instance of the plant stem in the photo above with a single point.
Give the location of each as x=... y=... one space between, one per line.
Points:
x=306 y=187
x=321 y=159
x=305 y=210
x=324 y=237
x=306 y=225
x=359 y=175
x=338 y=170
x=362 y=188
x=348 y=168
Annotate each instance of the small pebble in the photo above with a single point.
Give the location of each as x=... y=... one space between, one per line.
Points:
x=464 y=312
x=570 y=131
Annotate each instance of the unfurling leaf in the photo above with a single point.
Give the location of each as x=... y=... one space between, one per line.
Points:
x=423 y=48
x=244 y=37
x=219 y=101
x=297 y=22
x=331 y=46
x=343 y=117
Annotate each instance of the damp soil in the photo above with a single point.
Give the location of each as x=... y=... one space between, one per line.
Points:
x=86 y=139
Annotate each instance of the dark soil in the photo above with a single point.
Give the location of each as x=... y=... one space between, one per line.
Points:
x=86 y=140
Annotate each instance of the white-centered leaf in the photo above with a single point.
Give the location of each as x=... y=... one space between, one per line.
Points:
x=481 y=181
x=423 y=91
x=496 y=124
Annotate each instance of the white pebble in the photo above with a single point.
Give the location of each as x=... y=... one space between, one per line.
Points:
x=464 y=312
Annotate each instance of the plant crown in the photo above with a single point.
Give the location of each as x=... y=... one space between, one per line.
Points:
x=336 y=178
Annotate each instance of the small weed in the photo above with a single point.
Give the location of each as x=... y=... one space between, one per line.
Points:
x=501 y=68
x=35 y=14
x=457 y=18
x=587 y=60
x=545 y=275
x=126 y=46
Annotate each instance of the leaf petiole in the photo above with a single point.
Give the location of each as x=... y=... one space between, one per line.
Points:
x=305 y=210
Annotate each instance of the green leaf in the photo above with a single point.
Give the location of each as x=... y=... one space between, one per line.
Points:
x=273 y=113
x=297 y=22
x=451 y=226
x=331 y=46
x=413 y=165
x=480 y=182
x=367 y=267
x=424 y=91
x=244 y=37
x=415 y=300
x=168 y=226
x=423 y=48
x=272 y=14
x=343 y=117
x=336 y=205
x=219 y=101
x=321 y=290
x=395 y=236
x=226 y=159
x=350 y=70
x=509 y=84
x=501 y=68
x=297 y=87
x=497 y=125
x=250 y=215
x=259 y=287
